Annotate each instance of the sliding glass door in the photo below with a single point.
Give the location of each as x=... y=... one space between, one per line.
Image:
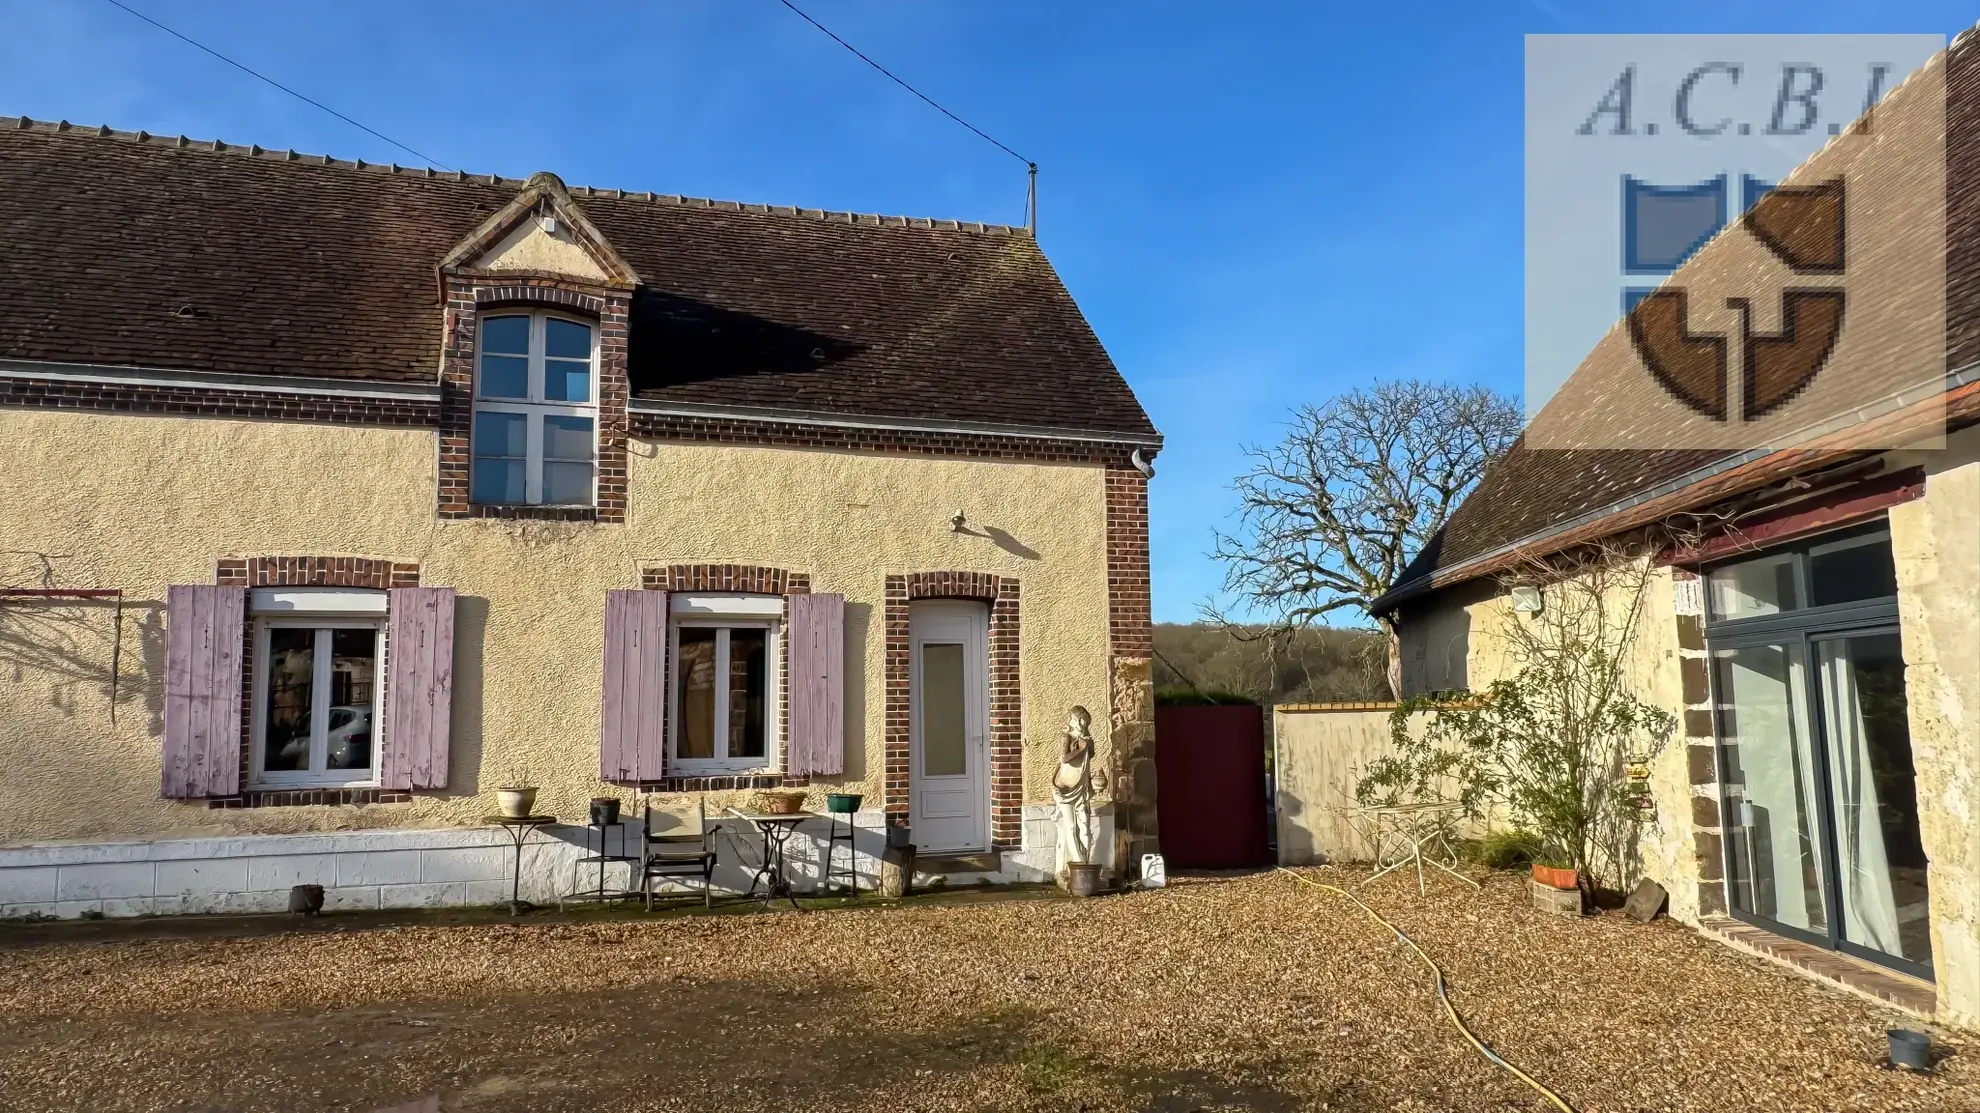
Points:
x=1818 y=796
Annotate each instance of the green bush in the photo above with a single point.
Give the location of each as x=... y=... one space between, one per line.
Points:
x=1509 y=849
x=1181 y=696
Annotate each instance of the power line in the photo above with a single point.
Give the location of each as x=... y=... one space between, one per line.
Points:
x=896 y=80
x=299 y=96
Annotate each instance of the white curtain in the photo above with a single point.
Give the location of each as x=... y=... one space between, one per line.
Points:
x=1869 y=909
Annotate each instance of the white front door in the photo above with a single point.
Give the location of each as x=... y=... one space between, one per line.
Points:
x=949 y=708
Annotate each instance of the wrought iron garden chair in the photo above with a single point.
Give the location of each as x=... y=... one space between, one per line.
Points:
x=678 y=857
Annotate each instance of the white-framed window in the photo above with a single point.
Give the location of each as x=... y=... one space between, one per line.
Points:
x=535 y=410
x=317 y=688
x=722 y=689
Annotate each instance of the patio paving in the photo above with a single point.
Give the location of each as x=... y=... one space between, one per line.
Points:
x=1219 y=993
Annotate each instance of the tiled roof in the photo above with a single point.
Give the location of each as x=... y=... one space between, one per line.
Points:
x=1531 y=495
x=127 y=249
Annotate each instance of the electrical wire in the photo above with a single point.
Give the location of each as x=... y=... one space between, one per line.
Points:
x=279 y=85
x=1443 y=992
x=896 y=80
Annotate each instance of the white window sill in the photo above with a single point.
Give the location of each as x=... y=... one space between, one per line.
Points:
x=717 y=769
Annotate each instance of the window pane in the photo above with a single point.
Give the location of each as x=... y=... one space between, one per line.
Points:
x=504 y=377
x=1754 y=587
x=567 y=484
x=747 y=686
x=353 y=678
x=498 y=481
x=1855 y=570
x=566 y=381
x=1768 y=769
x=505 y=335
x=291 y=678
x=942 y=711
x=1880 y=853
x=694 y=672
x=566 y=339
x=500 y=434
x=566 y=438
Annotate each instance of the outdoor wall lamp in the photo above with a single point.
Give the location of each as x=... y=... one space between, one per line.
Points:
x=956 y=523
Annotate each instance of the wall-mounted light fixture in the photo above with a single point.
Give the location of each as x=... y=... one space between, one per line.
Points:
x=956 y=523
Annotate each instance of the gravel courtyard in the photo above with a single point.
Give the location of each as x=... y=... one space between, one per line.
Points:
x=1242 y=993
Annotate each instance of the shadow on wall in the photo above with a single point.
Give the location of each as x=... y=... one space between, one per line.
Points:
x=86 y=651
x=468 y=725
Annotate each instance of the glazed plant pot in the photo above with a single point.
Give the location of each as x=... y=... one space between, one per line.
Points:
x=898 y=835
x=787 y=802
x=604 y=811
x=516 y=802
x=1082 y=878
x=843 y=803
x=1556 y=877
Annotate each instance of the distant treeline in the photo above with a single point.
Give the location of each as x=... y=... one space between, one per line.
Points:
x=1308 y=666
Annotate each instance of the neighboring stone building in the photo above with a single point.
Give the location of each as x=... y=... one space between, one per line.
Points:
x=1812 y=616
x=340 y=495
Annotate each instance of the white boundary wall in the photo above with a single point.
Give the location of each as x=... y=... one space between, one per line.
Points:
x=413 y=867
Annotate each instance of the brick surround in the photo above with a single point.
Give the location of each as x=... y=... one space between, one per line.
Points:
x=301 y=571
x=1006 y=698
x=747 y=579
x=468 y=294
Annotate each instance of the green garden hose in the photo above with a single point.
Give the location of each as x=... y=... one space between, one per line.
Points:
x=1443 y=992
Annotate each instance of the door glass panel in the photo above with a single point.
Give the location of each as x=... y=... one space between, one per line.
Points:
x=353 y=676
x=1880 y=858
x=943 y=717
x=291 y=696
x=1754 y=587
x=748 y=674
x=1851 y=571
x=1774 y=865
x=696 y=672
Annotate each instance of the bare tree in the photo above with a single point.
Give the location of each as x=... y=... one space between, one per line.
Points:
x=1329 y=516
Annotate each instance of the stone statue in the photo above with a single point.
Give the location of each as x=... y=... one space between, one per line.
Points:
x=1072 y=791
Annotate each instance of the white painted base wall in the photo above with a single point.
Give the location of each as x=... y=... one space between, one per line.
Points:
x=416 y=867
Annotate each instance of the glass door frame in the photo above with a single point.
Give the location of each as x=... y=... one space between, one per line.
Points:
x=1803 y=628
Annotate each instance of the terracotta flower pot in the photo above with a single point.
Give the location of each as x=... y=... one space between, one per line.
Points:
x=1556 y=877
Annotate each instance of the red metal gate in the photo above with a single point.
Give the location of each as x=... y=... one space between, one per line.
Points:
x=1210 y=786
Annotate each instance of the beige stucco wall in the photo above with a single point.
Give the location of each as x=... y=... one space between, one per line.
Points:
x=138 y=503
x=528 y=247
x=1936 y=540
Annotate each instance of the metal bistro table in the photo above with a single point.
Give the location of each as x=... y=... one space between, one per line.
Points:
x=776 y=829
x=519 y=827
x=1416 y=827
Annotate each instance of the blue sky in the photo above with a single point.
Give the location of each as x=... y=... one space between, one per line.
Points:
x=1256 y=204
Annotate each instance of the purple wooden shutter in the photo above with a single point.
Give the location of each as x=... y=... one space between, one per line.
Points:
x=631 y=741
x=818 y=685
x=419 y=687
x=203 y=630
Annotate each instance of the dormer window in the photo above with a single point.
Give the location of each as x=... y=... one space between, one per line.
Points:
x=535 y=411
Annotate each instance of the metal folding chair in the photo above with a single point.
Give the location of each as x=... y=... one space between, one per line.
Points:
x=681 y=858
